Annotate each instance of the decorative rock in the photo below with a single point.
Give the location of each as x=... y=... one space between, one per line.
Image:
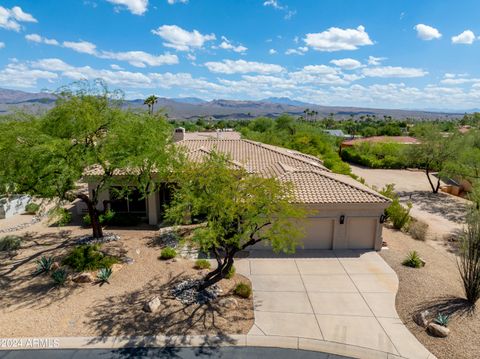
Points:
x=423 y=262
x=187 y=292
x=84 y=277
x=152 y=305
x=116 y=267
x=421 y=318
x=55 y=266
x=229 y=303
x=438 y=330
x=107 y=237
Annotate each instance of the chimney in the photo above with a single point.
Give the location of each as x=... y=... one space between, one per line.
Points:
x=178 y=134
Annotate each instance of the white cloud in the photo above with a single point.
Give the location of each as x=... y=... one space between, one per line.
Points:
x=348 y=63
x=227 y=45
x=116 y=67
x=10 y=19
x=336 y=39
x=140 y=58
x=182 y=40
x=277 y=6
x=242 y=66
x=426 y=32
x=20 y=75
x=375 y=61
x=2 y=45
x=40 y=39
x=467 y=37
x=298 y=51
x=272 y=51
x=171 y=2
x=394 y=71
x=81 y=46
x=136 y=7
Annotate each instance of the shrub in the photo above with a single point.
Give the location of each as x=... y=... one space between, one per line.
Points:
x=123 y=220
x=230 y=273
x=10 y=243
x=243 y=290
x=104 y=218
x=469 y=259
x=59 y=276
x=413 y=260
x=44 y=265
x=104 y=274
x=88 y=257
x=418 y=229
x=62 y=216
x=442 y=319
x=398 y=214
x=168 y=253
x=32 y=208
x=202 y=264
x=86 y=220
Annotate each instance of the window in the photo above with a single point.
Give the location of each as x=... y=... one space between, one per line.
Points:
x=131 y=202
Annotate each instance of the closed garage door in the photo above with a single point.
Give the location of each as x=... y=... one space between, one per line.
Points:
x=318 y=233
x=361 y=233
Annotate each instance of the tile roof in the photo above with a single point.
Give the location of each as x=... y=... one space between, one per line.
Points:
x=312 y=181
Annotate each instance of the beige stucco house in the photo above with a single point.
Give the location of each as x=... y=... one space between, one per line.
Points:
x=344 y=213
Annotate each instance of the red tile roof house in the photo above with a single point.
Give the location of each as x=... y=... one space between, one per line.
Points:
x=344 y=213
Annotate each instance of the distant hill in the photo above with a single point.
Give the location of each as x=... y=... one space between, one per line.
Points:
x=192 y=107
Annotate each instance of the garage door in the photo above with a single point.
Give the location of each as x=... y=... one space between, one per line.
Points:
x=318 y=233
x=361 y=233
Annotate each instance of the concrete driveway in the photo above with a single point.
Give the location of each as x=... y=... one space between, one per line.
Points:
x=336 y=300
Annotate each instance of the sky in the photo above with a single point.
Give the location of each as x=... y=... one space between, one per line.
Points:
x=406 y=54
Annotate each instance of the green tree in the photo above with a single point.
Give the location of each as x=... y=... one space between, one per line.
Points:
x=239 y=210
x=85 y=132
x=432 y=154
x=150 y=101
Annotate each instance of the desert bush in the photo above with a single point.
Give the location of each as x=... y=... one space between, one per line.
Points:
x=398 y=214
x=10 y=243
x=104 y=275
x=59 y=276
x=32 y=208
x=469 y=259
x=44 y=265
x=168 y=253
x=202 y=264
x=104 y=218
x=62 y=216
x=442 y=319
x=243 y=290
x=123 y=220
x=413 y=260
x=377 y=155
x=230 y=273
x=88 y=257
x=418 y=229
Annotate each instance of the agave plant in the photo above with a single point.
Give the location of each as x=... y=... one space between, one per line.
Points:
x=104 y=274
x=59 y=276
x=442 y=319
x=44 y=265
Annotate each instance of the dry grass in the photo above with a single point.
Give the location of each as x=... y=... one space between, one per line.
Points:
x=436 y=287
x=30 y=306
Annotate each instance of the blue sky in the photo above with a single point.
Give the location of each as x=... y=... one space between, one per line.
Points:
x=392 y=54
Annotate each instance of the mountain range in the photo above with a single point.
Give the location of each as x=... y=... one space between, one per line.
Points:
x=192 y=107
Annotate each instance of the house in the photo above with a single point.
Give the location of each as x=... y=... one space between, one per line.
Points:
x=403 y=140
x=337 y=133
x=344 y=214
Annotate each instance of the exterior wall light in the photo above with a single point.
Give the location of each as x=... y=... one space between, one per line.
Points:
x=382 y=218
x=342 y=219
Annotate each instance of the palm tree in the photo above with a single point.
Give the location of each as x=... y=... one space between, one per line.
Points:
x=150 y=101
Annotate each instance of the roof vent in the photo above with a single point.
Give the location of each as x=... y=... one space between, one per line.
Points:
x=178 y=134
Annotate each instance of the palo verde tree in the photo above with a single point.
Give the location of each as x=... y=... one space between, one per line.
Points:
x=239 y=210
x=85 y=133
x=432 y=154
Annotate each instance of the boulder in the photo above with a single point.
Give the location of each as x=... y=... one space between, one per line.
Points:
x=229 y=303
x=152 y=305
x=423 y=262
x=116 y=267
x=55 y=266
x=438 y=330
x=421 y=318
x=84 y=277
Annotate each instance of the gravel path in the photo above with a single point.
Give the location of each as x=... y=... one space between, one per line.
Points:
x=437 y=287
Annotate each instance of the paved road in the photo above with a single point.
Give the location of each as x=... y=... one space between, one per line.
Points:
x=177 y=353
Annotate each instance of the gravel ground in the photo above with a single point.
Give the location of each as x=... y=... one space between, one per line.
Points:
x=30 y=306
x=437 y=287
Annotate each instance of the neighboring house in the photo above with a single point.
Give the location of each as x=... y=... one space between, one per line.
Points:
x=338 y=133
x=403 y=140
x=345 y=214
